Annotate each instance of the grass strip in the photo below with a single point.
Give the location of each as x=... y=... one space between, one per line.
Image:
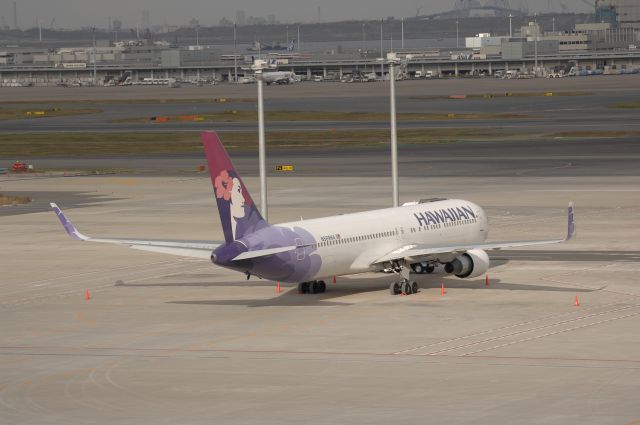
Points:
x=592 y=134
x=505 y=94
x=628 y=105
x=106 y=144
x=35 y=113
x=13 y=200
x=132 y=101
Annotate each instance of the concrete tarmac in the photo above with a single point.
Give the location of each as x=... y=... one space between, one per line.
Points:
x=169 y=340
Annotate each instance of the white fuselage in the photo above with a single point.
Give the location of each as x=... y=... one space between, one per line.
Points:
x=347 y=243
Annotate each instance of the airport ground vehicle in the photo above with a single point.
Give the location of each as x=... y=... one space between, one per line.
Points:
x=19 y=167
x=425 y=74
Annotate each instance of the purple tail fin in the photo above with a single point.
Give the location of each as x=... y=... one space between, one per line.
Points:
x=238 y=212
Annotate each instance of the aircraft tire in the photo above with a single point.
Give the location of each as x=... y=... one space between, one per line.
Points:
x=406 y=288
x=394 y=288
x=414 y=287
x=303 y=288
x=322 y=287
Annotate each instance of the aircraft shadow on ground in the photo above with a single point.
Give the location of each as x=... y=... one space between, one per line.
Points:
x=353 y=286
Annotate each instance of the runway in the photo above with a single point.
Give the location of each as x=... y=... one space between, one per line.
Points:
x=566 y=158
x=577 y=104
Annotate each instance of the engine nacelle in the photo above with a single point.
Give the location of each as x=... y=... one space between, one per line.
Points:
x=471 y=264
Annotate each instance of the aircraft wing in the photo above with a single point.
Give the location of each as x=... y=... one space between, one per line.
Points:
x=200 y=250
x=424 y=252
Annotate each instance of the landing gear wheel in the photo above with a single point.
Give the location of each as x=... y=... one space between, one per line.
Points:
x=430 y=268
x=394 y=288
x=303 y=288
x=414 y=287
x=316 y=287
x=322 y=287
x=418 y=268
x=407 y=288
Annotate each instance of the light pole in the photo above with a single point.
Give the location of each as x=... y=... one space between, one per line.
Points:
x=363 y=37
x=510 y=27
x=457 y=35
x=535 y=45
x=95 y=72
x=393 y=60
x=299 y=40
x=402 y=32
x=258 y=67
x=381 y=53
x=197 y=35
x=235 y=52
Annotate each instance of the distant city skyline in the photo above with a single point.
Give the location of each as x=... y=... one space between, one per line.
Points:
x=85 y=13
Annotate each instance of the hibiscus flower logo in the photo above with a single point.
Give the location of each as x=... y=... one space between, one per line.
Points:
x=224 y=185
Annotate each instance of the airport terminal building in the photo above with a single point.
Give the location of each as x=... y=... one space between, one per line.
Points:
x=596 y=48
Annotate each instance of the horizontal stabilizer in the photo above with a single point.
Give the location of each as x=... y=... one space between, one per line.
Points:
x=266 y=252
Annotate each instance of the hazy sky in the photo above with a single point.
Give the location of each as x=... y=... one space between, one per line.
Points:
x=77 y=13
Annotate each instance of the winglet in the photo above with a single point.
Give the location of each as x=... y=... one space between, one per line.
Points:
x=571 y=224
x=68 y=226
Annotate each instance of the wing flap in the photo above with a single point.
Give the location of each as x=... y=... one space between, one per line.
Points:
x=182 y=252
x=427 y=251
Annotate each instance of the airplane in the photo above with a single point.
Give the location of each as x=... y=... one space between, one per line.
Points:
x=414 y=237
x=279 y=77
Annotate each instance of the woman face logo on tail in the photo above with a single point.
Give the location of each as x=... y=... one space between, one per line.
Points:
x=229 y=188
x=237 y=204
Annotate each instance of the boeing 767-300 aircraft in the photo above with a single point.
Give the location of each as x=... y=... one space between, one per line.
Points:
x=414 y=237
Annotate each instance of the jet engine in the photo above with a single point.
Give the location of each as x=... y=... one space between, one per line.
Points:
x=471 y=264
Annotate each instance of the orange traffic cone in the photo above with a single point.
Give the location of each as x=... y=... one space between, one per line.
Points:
x=87 y=295
x=577 y=302
x=486 y=280
x=278 y=288
x=442 y=291
x=334 y=279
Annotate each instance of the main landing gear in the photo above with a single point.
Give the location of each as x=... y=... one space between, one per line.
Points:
x=315 y=287
x=405 y=287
